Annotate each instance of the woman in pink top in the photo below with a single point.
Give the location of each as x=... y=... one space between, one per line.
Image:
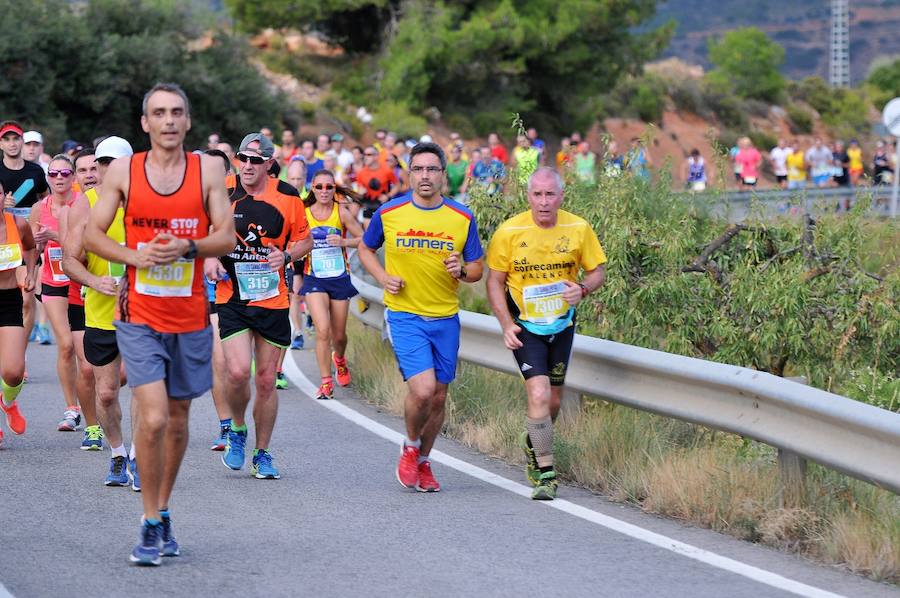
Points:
x=54 y=284
x=749 y=159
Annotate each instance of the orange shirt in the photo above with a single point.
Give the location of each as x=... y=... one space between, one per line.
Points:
x=169 y=298
x=375 y=182
x=271 y=221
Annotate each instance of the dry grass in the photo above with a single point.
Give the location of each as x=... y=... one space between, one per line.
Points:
x=665 y=466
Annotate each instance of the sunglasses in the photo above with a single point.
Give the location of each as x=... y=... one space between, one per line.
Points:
x=64 y=174
x=257 y=160
x=323 y=187
x=371 y=154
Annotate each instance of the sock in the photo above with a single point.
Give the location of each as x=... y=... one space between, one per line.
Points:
x=423 y=458
x=235 y=428
x=10 y=393
x=152 y=522
x=131 y=452
x=225 y=422
x=412 y=443
x=119 y=451
x=540 y=431
x=164 y=513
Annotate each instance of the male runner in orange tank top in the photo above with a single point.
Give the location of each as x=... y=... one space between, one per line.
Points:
x=170 y=199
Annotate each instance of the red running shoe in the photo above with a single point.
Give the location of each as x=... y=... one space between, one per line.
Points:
x=408 y=467
x=427 y=483
x=14 y=419
x=343 y=372
x=326 y=391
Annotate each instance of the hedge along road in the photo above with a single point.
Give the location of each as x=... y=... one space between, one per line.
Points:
x=338 y=523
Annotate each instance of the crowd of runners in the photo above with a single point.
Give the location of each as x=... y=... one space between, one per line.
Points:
x=179 y=273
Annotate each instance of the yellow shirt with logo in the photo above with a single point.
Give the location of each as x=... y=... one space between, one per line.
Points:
x=100 y=309
x=796 y=166
x=537 y=259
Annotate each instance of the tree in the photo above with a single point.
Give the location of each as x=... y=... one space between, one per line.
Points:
x=81 y=71
x=747 y=63
x=884 y=78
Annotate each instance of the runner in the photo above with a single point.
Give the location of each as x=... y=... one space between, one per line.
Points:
x=326 y=277
x=101 y=280
x=25 y=184
x=778 y=157
x=169 y=199
x=85 y=388
x=694 y=171
x=252 y=302
x=534 y=259
x=296 y=177
x=218 y=387
x=44 y=221
x=16 y=250
x=424 y=235
x=796 y=165
x=377 y=181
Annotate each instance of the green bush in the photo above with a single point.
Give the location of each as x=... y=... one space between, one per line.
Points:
x=762 y=140
x=395 y=117
x=801 y=119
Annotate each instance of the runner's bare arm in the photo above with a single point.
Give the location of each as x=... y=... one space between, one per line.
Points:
x=34 y=221
x=73 y=243
x=30 y=255
x=221 y=240
x=496 y=291
x=391 y=284
x=115 y=188
x=592 y=280
x=353 y=226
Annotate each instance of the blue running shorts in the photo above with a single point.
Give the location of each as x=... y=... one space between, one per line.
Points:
x=422 y=344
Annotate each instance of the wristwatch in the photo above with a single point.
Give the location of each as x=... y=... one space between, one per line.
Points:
x=287 y=258
x=584 y=290
x=462 y=273
x=191 y=253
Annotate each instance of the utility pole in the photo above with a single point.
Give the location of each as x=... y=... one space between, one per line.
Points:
x=839 y=63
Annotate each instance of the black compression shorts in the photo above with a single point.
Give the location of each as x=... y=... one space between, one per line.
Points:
x=545 y=355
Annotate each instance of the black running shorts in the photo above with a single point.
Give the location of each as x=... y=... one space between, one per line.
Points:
x=273 y=325
x=76 y=317
x=100 y=347
x=545 y=355
x=11 y=307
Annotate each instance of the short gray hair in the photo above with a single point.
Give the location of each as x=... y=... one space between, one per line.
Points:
x=170 y=88
x=546 y=170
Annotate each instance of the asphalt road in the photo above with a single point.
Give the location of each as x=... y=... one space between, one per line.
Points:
x=339 y=524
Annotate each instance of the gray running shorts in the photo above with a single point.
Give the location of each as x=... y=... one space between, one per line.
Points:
x=183 y=360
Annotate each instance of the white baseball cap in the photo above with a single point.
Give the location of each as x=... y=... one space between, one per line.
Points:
x=113 y=147
x=33 y=137
x=425 y=139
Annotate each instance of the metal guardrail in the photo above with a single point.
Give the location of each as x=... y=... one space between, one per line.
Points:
x=857 y=439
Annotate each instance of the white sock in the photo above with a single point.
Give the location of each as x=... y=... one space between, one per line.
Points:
x=119 y=451
x=131 y=454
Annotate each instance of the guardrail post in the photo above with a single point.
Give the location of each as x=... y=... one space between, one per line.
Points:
x=792 y=468
x=570 y=406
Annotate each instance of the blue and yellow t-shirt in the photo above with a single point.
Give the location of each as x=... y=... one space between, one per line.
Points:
x=536 y=261
x=417 y=240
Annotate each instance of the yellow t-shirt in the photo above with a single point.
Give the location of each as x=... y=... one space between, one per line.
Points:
x=796 y=166
x=855 y=155
x=416 y=242
x=537 y=259
x=100 y=309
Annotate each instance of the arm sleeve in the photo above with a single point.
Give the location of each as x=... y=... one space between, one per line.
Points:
x=374 y=235
x=472 y=249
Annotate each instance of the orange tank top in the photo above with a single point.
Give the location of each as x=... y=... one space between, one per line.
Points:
x=170 y=298
x=11 y=252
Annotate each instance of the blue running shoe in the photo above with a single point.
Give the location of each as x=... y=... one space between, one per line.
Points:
x=298 y=342
x=147 y=552
x=262 y=468
x=118 y=472
x=133 y=474
x=34 y=334
x=220 y=441
x=169 y=545
x=234 y=449
x=44 y=337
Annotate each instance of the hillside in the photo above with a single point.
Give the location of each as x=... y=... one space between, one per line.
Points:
x=801 y=26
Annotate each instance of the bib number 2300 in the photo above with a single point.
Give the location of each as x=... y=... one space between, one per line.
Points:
x=170 y=280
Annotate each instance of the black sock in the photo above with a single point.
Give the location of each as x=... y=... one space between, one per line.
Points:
x=546 y=469
x=528 y=441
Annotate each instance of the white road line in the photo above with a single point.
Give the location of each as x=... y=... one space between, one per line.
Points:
x=710 y=558
x=4 y=593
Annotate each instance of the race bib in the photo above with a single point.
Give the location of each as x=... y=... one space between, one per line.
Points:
x=544 y=303
x=256 y=281
x=20 y=212
x=170 y=280
x=55 y=255
x=328 y=262
x=10 y=256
